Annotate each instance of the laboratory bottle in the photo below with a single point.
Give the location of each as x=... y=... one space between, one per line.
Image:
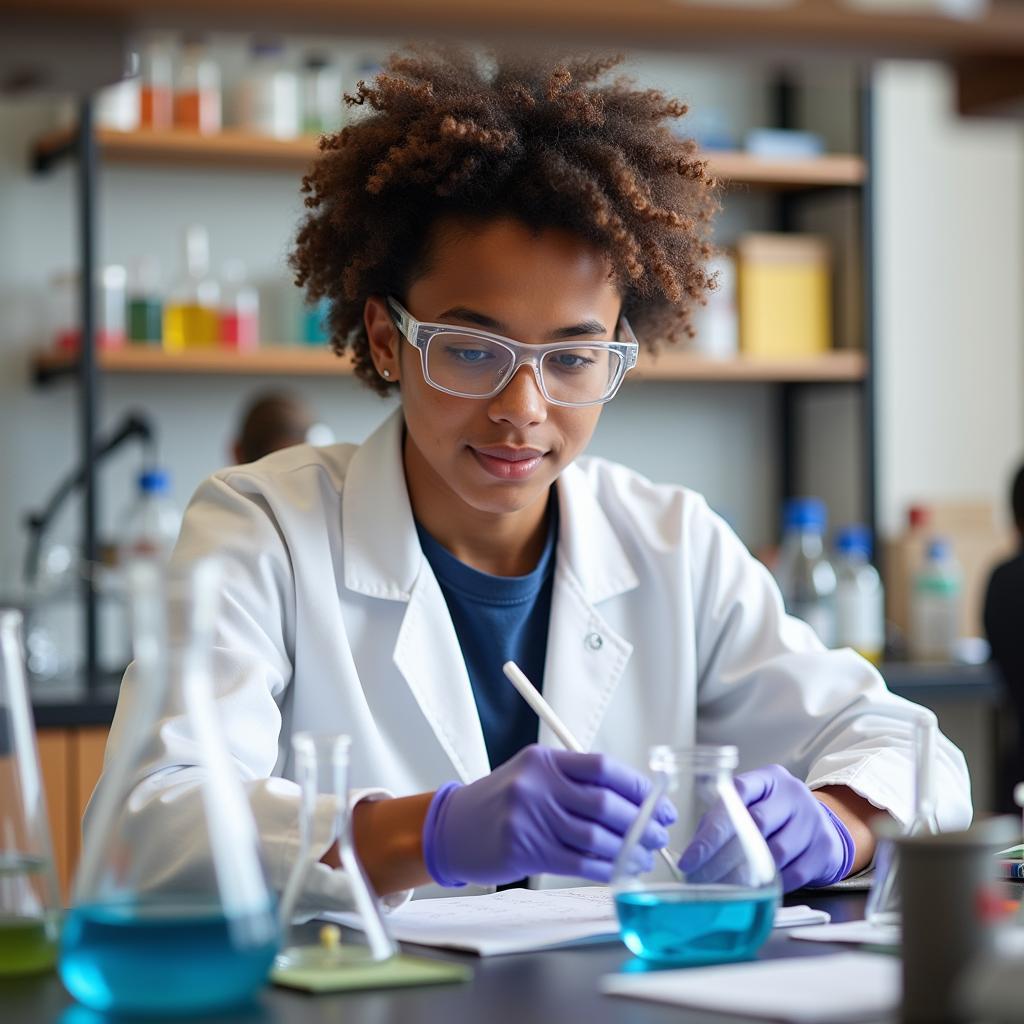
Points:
x=322 y=771
x=156 y=74
x=720 y=909
x=239 y=325
x=804 y=573
x=860 y=601
x=64 y=304
x=322 y=104
x=145 y=307
x=53 y=614
x=29 y=897
x=148 y=529
x=197 y=94
x=113 y=328
x=883 y=904
x=151 y=525
x=717 y=322
x=119 y=107
x=138 y=939
x=313 y=325
x=268 y=95
x=935 y=604
x=191 y=315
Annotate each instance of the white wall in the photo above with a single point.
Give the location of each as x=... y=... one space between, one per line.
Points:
x=950 y=277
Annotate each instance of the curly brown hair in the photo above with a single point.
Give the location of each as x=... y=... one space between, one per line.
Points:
x=451 y=133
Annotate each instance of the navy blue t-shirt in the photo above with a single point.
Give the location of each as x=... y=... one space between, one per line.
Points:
x=499 y=619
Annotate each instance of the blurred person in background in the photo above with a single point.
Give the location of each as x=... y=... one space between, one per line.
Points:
x=274 y=420
x=1004 y=602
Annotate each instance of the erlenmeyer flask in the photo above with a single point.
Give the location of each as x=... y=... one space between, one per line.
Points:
x=321 y=767
x=135 y=940
x=883 y=905
x=719 y=903
x=29 y=898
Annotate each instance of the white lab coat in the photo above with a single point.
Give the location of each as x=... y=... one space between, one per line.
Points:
x=664 y=629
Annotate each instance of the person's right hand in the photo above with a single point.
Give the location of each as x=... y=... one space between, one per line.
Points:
x=543 y=811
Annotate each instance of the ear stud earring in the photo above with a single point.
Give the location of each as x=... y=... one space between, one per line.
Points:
x=385 y=373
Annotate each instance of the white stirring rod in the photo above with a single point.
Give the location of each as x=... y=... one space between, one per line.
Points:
x=546 y=713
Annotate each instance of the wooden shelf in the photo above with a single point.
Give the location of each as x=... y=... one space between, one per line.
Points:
x=813 y=28
x=296 y=361
x=833 y=367
x=812 y=172
x=174 y=146
x=289 y=360
x=244 y=149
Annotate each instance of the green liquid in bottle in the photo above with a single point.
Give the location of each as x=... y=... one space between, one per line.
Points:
x=28 y=940
x=27 y=944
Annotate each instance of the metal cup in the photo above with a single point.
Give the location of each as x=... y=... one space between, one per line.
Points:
x=947 y=883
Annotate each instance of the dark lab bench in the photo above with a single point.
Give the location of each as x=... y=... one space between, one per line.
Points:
x=552 y=987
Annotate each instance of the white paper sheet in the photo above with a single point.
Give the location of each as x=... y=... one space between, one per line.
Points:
x=521 y=920
x=860 y=933
x=799 y=917
x=829 y=989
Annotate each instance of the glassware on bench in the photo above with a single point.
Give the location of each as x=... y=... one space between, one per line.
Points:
x=141 y=937
x=883 y=906
x=721 y=910
x=29 y=897
x=321 y=767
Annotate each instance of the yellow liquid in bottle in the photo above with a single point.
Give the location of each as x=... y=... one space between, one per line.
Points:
x=188 y=326
x=875 y=657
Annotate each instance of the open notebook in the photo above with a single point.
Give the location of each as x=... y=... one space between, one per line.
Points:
x=522 y=920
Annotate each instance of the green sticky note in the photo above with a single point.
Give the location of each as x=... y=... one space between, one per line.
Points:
x=398 y=972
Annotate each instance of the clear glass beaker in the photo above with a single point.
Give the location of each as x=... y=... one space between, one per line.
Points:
x=140 y=937
x=723 y=907
x=29 y=897
x=883 y=905
x=321 y=766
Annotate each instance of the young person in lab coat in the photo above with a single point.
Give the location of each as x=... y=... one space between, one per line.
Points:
x=488 y=236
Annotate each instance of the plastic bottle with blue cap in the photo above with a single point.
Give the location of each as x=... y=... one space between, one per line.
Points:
x=860 y=599
x=804 y=573
x=151 y=527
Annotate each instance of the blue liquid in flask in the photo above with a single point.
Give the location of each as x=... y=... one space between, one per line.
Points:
x=691 y=925
x=131 y=959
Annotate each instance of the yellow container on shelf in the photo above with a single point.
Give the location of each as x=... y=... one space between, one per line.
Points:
x=784 y=295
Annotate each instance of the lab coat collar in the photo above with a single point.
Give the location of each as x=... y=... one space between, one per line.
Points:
x=383 y=559
x=587 y=542
x=382 y=552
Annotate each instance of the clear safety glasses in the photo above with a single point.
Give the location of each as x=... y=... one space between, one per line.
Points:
x=468 y=363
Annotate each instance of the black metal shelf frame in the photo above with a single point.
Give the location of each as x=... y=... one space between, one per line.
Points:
x=786 y=205
x=88 y=380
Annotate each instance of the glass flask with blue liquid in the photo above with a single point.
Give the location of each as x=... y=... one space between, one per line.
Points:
x=146 y=934
x=722 y=906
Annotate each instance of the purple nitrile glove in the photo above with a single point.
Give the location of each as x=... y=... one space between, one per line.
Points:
x=809 y=844
x=543 y=811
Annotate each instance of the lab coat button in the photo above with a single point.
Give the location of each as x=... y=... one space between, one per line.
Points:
x=594 y=641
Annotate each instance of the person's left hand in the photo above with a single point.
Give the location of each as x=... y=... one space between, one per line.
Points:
x=809 y=844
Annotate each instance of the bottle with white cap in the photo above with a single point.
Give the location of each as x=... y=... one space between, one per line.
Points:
x=935 y=604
